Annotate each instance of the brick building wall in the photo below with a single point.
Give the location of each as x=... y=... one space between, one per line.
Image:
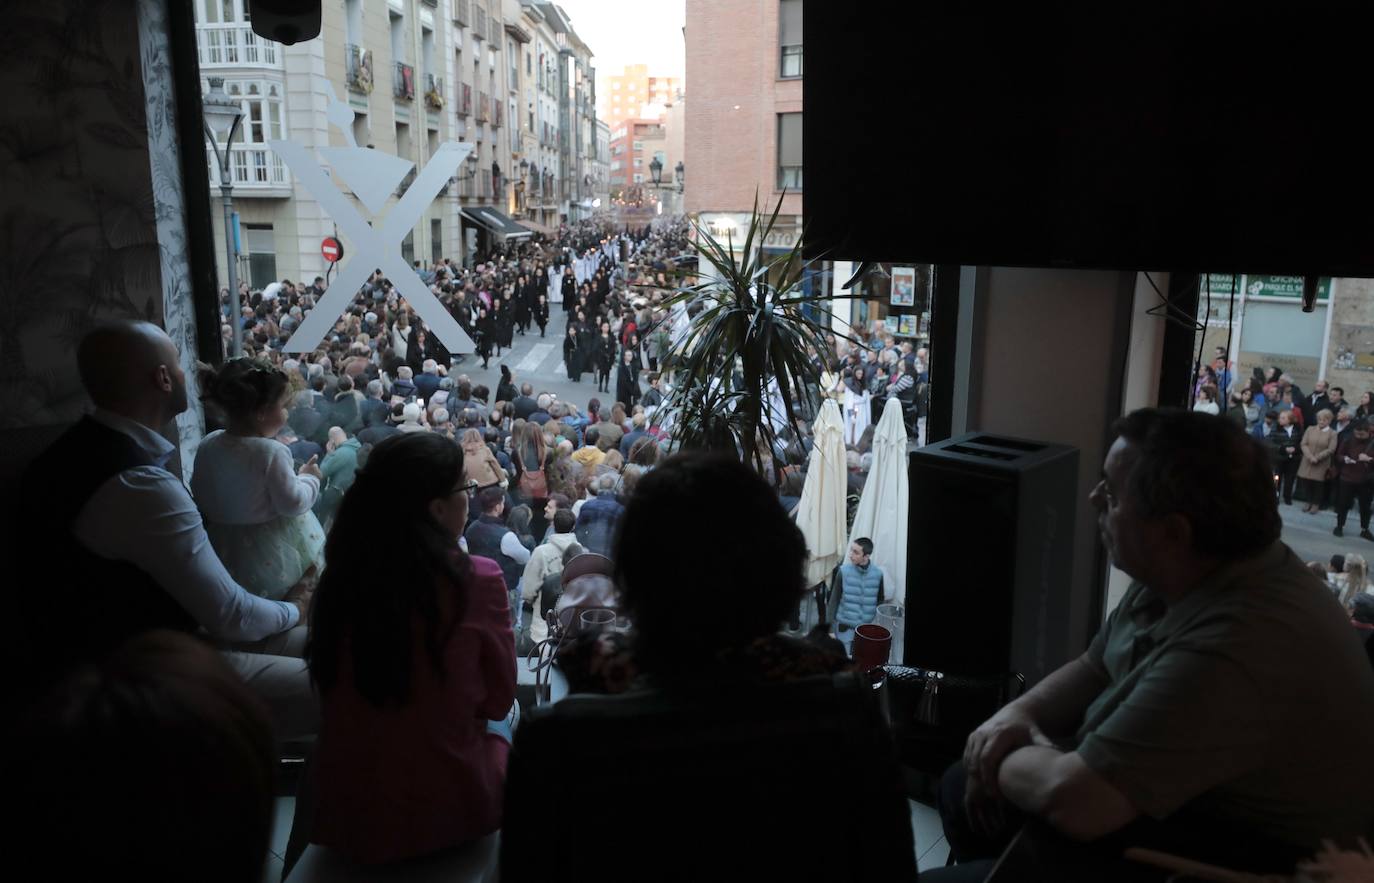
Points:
x=730 y=148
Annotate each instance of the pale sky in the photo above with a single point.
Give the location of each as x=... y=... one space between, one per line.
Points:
x=621 y=32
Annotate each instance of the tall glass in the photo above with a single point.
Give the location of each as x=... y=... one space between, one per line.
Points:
x=893 y=618
x=597 y=620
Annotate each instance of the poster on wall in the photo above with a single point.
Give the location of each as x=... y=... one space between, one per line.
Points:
x=903 y=286
x=1354 y=350
x=907 y=326
x=890 y=324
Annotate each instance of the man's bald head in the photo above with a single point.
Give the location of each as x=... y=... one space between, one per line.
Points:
x=121 y=363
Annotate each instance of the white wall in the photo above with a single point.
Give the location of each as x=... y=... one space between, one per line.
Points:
x=1045 y=362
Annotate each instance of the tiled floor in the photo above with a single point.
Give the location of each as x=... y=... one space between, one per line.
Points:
x=931 y=849
x=281 y=831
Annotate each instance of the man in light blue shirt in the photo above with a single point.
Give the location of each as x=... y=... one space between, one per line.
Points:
x=140 y=520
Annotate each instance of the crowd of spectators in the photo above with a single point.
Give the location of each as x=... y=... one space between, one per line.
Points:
x=439 y=519
x=1319 y=442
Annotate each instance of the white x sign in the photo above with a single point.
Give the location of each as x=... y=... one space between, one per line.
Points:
x=376 y=248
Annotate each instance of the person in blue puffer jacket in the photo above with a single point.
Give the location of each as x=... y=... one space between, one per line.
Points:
x=856 y=592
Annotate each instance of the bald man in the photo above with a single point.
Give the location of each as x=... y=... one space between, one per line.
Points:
x=120 y=547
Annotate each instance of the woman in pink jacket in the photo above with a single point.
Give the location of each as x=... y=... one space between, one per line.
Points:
x=412 y=651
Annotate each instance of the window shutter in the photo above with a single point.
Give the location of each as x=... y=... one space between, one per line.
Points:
x=790 y=22
x=789 y=139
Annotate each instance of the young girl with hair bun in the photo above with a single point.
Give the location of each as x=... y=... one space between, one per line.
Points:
x=257 y=508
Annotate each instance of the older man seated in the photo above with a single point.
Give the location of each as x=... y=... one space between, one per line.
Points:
x=119 y=546
x=1217 y=713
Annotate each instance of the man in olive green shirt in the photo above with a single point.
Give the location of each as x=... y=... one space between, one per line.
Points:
x=1223 y=704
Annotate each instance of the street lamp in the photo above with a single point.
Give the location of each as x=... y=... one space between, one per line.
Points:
x=223 y=116
x=680 y=174
x=656 y=171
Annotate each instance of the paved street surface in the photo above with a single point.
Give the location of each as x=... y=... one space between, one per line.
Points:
x=538 y=361
x=1309 y=536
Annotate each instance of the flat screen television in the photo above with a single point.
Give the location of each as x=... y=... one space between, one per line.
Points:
x=1183 y=137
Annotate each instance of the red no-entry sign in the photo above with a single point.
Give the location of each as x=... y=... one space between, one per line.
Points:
x=332 y=249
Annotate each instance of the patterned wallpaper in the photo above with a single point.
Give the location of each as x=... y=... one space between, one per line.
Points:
x=169 y=209
x=84 y=233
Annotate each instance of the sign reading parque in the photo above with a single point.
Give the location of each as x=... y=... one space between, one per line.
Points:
x=1219 y=285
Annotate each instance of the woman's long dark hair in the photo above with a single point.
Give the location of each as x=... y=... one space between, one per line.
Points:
x=370 y=598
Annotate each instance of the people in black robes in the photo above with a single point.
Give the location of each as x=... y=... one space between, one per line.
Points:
x=603 y=354
x=572 y=359
x=541 y=314
x=627 y=380
x=569 y=283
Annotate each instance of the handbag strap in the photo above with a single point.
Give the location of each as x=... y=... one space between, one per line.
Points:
x=542 y=655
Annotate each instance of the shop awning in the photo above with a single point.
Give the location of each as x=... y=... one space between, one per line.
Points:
x=539 y=228
x=496 y=222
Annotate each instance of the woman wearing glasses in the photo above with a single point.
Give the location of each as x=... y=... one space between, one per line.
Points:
x=413 y=655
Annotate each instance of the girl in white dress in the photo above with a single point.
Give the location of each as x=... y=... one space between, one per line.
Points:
x=257 y=508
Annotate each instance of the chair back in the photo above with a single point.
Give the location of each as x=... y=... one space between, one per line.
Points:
x=789 y=781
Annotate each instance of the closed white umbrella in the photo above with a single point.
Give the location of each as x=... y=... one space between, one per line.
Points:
x=820 y=513
x=885 y=504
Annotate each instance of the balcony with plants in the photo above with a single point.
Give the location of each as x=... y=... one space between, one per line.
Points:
x=434 y=92
x=358 y=69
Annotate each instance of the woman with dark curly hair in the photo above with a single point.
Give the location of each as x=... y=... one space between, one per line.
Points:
x=413 y=655
x=256 y=506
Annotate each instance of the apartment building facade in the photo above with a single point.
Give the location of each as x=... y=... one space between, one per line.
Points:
x=415 y=74
x=601 y=167
x=629 y=92
x=742 y=128
x=743 y=124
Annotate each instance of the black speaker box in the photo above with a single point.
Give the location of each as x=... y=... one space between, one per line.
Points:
x=990 y=556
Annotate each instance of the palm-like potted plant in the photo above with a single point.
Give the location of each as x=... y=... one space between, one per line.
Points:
x=747 y=363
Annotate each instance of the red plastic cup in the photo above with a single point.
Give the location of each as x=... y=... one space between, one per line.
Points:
x=872 y=646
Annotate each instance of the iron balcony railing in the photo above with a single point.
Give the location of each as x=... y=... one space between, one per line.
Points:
x=403 y=81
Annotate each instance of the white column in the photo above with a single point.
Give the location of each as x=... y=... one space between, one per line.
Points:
x=1326 y=334
x=840 y=310
x=1237 y=325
